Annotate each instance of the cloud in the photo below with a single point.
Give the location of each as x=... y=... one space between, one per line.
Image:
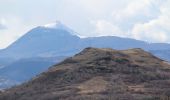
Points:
x=2 y=27
x=105 y=28
x=2 y=24
x=155 y=30
x=147 y=20
x=144 y=8
x=150 y=32
x=136 y=11
x=96 y=7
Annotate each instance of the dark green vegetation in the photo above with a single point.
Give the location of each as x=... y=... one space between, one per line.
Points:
x=99 y=74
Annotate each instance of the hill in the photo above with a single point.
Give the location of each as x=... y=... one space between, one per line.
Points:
x=99 y=74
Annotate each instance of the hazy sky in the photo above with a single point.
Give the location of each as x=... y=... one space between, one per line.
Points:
x=147 y=20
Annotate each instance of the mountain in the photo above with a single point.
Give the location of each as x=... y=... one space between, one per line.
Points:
x=113 y=42
x=163 y=54
x=159 y=46
x=28 y=67
x=99 y=74
x=24 y=69
x=56 y=39
x=43 y=41
x=5 y=61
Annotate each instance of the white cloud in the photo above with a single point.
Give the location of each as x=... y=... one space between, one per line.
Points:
x=149 y=32
x=2 y=24
x=105 y=28
x=147 y=20
x=155 y=30
x=135 y=8
x=98 y=7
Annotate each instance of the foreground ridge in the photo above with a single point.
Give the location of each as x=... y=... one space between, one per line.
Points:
x=99 y=74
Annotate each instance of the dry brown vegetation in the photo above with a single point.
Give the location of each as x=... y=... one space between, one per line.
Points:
x=99 y=74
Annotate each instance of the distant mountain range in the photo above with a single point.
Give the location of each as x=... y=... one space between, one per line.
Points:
x=57 y=40
x=99 y=74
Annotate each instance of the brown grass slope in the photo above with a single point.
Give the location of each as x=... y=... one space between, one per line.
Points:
x=99 y=74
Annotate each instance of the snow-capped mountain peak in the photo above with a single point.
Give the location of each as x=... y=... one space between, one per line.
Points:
x=56 y=24
x=59 y=25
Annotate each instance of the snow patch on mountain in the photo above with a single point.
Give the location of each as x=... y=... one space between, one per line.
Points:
x=59 y=25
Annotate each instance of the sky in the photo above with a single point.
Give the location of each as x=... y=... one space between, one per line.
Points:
x=147 y=20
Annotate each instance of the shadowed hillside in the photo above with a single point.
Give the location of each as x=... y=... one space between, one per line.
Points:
x=99 y=74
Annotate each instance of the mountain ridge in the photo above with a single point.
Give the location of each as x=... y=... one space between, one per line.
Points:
x=53 y=39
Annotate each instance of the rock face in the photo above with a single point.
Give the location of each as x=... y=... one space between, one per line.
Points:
x=99 y=74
